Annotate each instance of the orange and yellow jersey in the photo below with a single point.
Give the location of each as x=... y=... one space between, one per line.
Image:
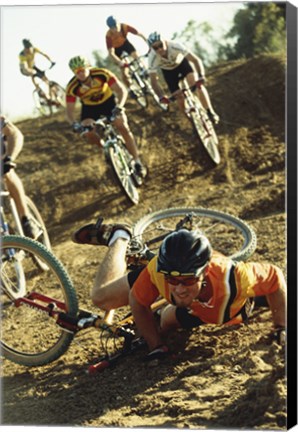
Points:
x=98 y=91
x=29 y=57
x=227 y=285
x=115 y=39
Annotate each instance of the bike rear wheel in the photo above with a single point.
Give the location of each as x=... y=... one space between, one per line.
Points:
x=227 y=234
x=206 y=133
x=58 y=97
x=121 y=162
x=43 y=236
x=137 y=88
x=41 y=104
x=30 y=336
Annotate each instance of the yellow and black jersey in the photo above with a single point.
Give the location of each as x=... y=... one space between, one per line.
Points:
x=96 y=93
x=115 y=39
x=29 y=57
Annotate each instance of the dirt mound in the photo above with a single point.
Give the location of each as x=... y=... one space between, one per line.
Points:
x=218 y=378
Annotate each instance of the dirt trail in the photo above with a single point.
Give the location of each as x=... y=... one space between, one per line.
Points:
x=219 y=378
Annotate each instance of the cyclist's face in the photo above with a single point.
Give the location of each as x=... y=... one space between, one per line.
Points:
x=82 y=73
x=184 y=289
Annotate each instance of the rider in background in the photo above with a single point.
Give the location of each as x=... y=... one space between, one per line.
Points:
x=12 y=141
x=176 y=62
x=101 y=94
x=27 y=64
x=117 y=43
x=200 y=285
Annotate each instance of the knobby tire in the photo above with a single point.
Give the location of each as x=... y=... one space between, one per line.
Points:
x=29 y=336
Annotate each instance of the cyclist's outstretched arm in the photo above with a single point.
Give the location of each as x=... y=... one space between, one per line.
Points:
x=197 y=62
x=70 y=112
x=120 y=92
x=145 y=322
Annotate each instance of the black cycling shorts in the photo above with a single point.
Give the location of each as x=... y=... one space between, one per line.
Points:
x=39 y=73
x=127 y=47
x=95 y=111
x=172 y=77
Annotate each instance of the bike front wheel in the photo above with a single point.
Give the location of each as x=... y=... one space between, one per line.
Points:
x=121 y=162
x=206 y=133
x=41 y=104
x=227 y=234
x=30 y=335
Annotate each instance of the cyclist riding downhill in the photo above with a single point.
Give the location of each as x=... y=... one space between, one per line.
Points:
x=177 y=62
x=101 y=94
x=28 y=67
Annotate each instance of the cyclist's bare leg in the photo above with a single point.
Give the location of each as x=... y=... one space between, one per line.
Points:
x=91 y=137
x=122 y=126
x=111 y=287
x=16 y=189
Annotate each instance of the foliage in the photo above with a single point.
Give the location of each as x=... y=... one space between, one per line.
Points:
x=200 y=39
x=258 y=28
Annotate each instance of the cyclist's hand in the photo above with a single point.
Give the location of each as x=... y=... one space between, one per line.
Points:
x=76 y=127
x=164 y=100
x=115 y=112
x=158 y=353
x=201 y=81
x=8 y=164
x=52 y=64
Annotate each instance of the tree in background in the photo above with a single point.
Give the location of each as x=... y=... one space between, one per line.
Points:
x=200 y=39
x=258 y=28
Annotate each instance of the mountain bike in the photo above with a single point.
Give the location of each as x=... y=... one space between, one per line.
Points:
x=49 y=97
x=140 y=82
x=116 y=154
x=39 y=325
x=11 y=224
x=198 y=116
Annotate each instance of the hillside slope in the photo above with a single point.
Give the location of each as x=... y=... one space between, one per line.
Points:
x=225 y=378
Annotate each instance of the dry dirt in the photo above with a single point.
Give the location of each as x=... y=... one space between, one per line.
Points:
x=219 y=378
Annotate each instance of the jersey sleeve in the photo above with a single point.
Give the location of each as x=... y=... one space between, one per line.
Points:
x=258 y=279
x=144 y=290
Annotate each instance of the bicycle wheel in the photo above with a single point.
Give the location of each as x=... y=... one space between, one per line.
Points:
x=58 y=97
x=30 y=335
x=137 y=88
x=121 y=163
x=41 y=104
x=206 y=133
x=149 y=89
x=12 y=275
x=227 y=234
x=43 y=236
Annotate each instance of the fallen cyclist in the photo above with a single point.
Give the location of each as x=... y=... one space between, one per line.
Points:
x=201 y=285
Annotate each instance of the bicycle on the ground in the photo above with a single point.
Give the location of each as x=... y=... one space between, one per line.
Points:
x=116 y=155
x=39 y=325
x=198 y=116
x=141 y=86
x=49 y=96
x=11 y=224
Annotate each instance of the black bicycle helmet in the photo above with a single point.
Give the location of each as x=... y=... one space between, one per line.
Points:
x=27 y=43
x=184 y=253
x=111 y=21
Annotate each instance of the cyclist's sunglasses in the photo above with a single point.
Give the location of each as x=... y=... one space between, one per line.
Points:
x=184 y=281
x=158 y=46
x=78 y=69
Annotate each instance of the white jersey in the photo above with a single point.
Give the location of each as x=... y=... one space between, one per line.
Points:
x=175 y=54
